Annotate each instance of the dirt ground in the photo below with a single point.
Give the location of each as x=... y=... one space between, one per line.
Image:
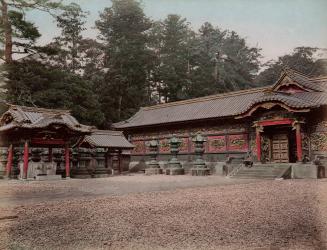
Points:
x=163 y=212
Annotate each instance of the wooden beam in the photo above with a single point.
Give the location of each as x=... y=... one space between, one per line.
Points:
x=285 y=121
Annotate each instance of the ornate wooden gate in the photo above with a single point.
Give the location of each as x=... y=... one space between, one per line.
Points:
x=280 y=148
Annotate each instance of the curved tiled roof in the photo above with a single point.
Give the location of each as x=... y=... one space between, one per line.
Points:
x=231 y=104
x=107 y=139
x=31 y=117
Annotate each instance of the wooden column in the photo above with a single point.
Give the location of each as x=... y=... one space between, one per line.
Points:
x=258 y=142
x=50 y=155
x=25 y=158
x=9 y=161
x=119 y=161
x=298 y=141
x=67 y=161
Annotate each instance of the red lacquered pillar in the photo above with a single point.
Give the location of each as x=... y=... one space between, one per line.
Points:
x=258 y=142
x=298 y=142
x=25 y=166
x=9 y=161
x=67 y=161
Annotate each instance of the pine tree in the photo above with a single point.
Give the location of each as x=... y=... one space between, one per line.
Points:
x=13 y=24
x=71 y=22
x=123 y=29
x=171 y=40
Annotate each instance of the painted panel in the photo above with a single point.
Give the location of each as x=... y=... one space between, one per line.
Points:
x=217 y=143
x=164 y=146
x=183 y=148
x=139 y=147
x=238 y=142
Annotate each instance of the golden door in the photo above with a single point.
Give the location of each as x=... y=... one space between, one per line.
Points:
x=280 y=148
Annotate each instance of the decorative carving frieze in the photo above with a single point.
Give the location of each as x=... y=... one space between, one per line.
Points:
x=319 y=141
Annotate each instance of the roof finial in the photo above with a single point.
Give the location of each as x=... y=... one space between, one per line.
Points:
x=286 y=68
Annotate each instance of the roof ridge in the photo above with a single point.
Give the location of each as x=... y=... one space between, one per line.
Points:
x=319 y=78
x=37 y=109
x=207 y=98
x=296 y=72
x=102 y=131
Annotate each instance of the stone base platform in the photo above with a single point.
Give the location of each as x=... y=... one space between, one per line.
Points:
x=175 y=171
x=152 y=171
x=81 y=176
x=100 y=175
x=200 y=171
x=47 y=177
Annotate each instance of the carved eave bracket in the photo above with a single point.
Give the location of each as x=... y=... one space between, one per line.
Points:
x=259 y=128
x=270 y=105
x=297 y=123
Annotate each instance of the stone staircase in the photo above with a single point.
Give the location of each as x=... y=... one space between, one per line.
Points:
x=263 y=171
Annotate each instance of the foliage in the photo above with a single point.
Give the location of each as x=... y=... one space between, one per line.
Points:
x=135 y=62
x=71 y=22
x=22 y=28
x=32 y=83
x=190 y=64
x=13 y=24
x=301 y=59
x=123 y=31
x=171 y=41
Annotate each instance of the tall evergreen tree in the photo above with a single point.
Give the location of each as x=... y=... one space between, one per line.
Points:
x=239 y=63
x=205 y=55
x=172 y=38
x=123 y=29
x=71 y=22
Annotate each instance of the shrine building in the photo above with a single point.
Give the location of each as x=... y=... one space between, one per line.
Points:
x=282 y=123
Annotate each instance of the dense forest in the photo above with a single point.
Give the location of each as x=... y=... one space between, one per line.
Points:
x=134 y=62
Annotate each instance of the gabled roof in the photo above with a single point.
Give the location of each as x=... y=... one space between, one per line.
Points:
x=31 y=117
x=310 y=84
x=106 y=139
x=232 y=104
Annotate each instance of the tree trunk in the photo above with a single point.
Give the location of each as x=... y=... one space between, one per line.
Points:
x=7 y=32
x=120 y=99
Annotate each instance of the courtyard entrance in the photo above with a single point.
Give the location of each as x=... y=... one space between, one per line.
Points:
x=280 y=148
x=279 y=141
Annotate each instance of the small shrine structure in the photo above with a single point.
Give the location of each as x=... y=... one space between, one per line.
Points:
x=22 y=128
x=110 y=149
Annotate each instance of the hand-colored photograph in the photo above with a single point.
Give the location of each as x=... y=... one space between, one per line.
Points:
x=163 y=124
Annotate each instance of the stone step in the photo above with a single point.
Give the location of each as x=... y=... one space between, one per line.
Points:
x=261 y=171
x=255 y=177
x=258 y=171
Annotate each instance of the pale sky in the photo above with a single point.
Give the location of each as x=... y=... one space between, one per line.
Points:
x=276 y=26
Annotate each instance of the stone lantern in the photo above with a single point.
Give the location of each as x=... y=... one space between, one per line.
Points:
x=153 y=165
x=175 y=167
x=200 y=168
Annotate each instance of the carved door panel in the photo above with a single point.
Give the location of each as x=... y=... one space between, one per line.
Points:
x=280 y=148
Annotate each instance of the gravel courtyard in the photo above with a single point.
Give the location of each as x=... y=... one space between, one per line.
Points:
x=163 y=212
